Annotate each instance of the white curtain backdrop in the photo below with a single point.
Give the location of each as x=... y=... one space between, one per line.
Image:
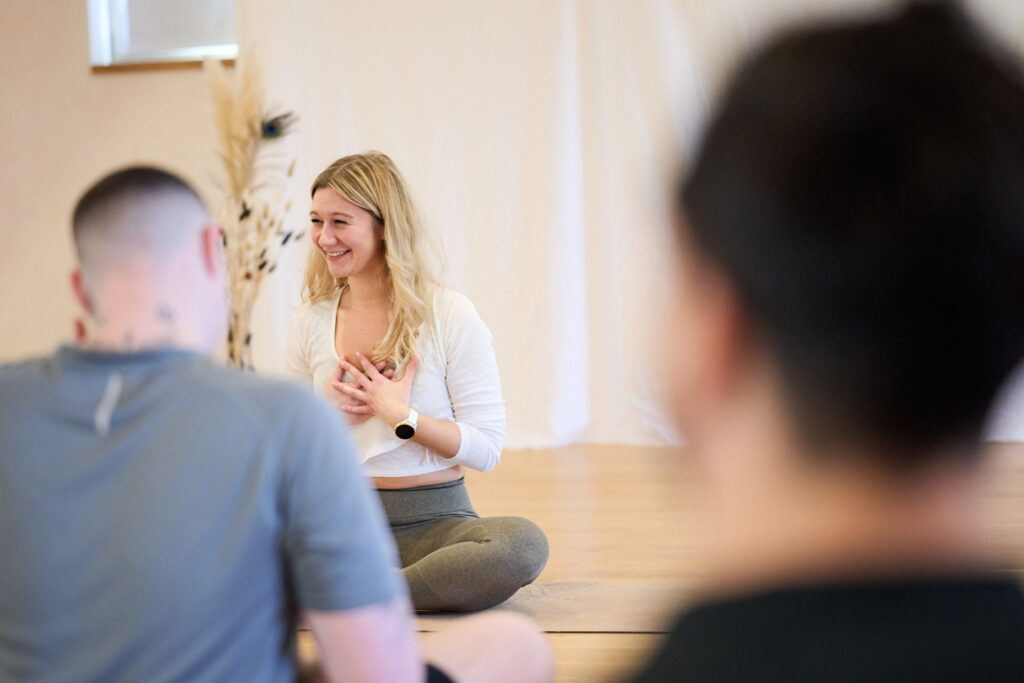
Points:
x=541 y=138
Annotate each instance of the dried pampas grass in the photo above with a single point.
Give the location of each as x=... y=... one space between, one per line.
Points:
x=254 y=182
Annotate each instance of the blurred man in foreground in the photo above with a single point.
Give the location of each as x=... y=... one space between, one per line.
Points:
x=851 y=297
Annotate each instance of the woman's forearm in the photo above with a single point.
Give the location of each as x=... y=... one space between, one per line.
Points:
x=440 y=436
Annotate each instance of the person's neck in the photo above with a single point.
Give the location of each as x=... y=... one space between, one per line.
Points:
x=130 y=316
x=834 y=516
x=369 y=289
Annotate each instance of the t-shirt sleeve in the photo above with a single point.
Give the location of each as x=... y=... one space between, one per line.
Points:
x=473 y=386
x=296 y=348
x=338 y=547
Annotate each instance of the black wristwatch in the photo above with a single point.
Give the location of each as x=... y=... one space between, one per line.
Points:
x=406 y=429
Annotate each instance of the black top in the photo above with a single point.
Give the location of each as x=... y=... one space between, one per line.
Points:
x=968 y=629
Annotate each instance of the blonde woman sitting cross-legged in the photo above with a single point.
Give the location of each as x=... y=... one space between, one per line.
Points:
x=411 y=365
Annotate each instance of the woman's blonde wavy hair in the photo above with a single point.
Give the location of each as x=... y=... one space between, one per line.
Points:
x=372 y=182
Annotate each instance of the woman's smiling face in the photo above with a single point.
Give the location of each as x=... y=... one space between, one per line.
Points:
x=348 y=237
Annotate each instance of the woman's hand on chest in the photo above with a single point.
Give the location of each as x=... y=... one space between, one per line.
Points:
x=339 y=399
x=373 y=392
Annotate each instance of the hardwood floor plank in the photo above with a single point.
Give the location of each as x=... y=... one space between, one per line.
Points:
x=596 y=657
x=589 y=606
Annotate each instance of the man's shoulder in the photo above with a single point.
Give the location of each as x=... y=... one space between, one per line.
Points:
x=16 y=376
x=23 y=367
x=273 y=397
x=876 y=630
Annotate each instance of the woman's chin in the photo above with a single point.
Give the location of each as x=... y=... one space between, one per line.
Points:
x=338 y=273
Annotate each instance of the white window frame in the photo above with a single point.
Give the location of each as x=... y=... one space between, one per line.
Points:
x=107 y=23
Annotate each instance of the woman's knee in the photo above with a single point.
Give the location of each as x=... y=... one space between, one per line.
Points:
x=525 y=547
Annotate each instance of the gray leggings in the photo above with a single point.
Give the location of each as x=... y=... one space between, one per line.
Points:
x=453 y=560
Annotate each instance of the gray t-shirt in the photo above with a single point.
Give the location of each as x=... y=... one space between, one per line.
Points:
x=162 y=518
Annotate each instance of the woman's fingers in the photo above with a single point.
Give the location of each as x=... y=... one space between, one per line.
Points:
x=338 y=372
x=388 y=371
x=368 y=367
x=370 y=394
x=349 y=390
x=358 y=377
x=410 y=369
x=368 y=370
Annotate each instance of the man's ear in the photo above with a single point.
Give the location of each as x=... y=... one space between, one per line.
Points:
x=78 y=288
x=212 y=238
x=728 y=343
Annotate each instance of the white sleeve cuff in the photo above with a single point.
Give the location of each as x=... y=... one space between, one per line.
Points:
x=476 y=450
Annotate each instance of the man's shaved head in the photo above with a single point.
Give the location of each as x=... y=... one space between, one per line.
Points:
x=151 y=272
x=135 y=213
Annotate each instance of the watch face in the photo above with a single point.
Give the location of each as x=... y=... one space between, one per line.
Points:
x=404 y=431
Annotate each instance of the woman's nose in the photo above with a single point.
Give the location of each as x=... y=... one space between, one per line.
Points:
x=326 y=236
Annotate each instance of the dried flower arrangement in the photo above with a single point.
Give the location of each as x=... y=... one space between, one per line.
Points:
x=256 y=175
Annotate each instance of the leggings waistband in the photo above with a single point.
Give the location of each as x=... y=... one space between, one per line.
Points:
x=407 y=507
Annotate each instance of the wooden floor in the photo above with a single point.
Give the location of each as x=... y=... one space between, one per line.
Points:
x=624 y=549
x=621 y=552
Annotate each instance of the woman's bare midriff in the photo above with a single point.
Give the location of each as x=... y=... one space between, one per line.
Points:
x=429 y=479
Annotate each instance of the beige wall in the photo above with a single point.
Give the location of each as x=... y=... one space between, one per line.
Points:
x=538 y=134
x=62 y=126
